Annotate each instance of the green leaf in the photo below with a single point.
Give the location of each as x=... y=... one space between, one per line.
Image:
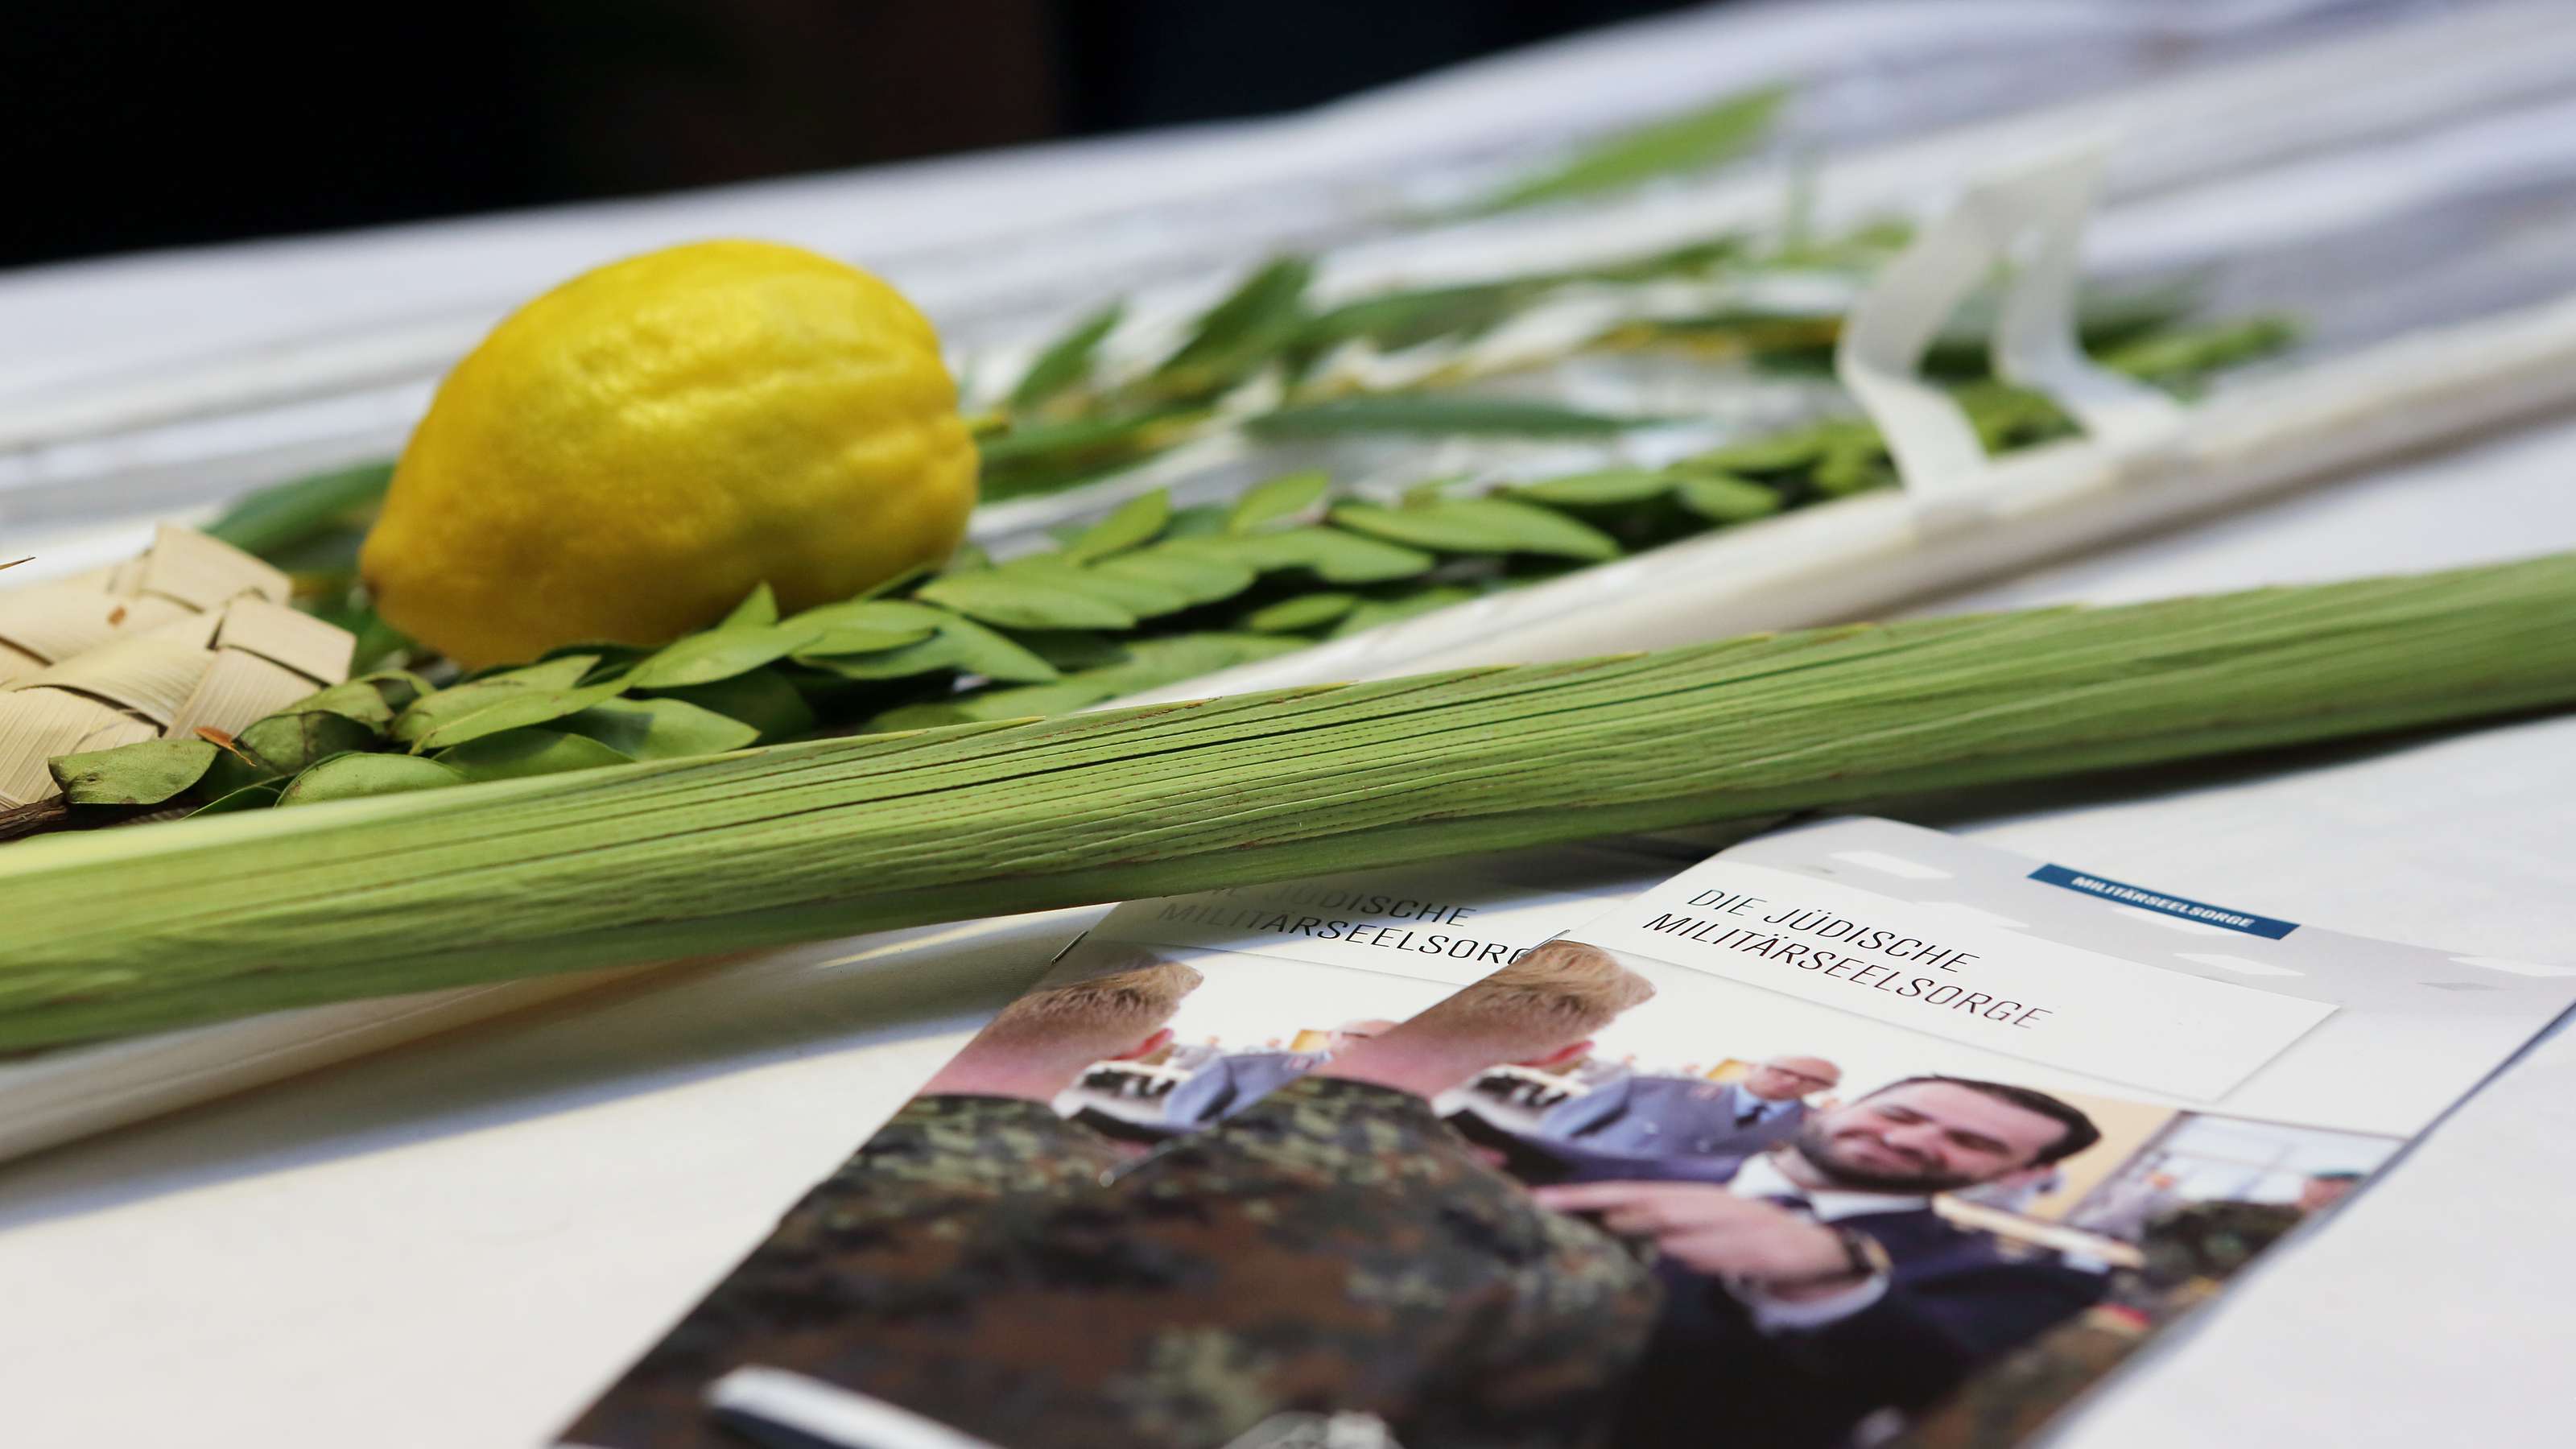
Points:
x=1393 y=321
x=1480 y=525
x=760 y=606
x=1330 y=554
x=763 y=699
x=1438 y=413
x=147 y=772
x=1695 y=141
x=961 y=644
x=555 y=671
x=1199 y=520
x=289 y=743
x=363 y=701
x=1067 y=360
x=518 y=754
x=891 y=616
x=400 y=687
x=1238 y=334
x=354 y=777
x=257 y=795
x=1134 y=522
x=1151 y=664
x=1853 y=466
x=1295 y=616
x=1722 y=499
x=605 y=657
x=1279 y=501
x=1611 y=487
x=1788 y=452
x=1022 y=599
x=728 y=650
x=272 y=519
x=852 y=640
x=1138 y=592
x=1375 y=612
x=661 y=729
x=1196 y=576
x=1432 y=489
x=510 y=710
x=1071 y=649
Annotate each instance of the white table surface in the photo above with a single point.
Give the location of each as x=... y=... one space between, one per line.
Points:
x=458 y=1243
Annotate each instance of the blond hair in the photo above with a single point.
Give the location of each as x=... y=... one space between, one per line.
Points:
x=1122 y=1003
x=1560 y=992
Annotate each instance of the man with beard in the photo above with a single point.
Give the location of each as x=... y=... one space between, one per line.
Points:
x=1817 y=1286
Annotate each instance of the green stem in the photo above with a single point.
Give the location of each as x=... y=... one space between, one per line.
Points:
x=128 y=931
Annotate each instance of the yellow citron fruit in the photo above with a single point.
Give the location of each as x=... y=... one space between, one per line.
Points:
x=629 y=455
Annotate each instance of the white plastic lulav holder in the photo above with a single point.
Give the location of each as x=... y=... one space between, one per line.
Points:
x=2029 y=219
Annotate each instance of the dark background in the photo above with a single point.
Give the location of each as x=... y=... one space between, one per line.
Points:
x=133 y=125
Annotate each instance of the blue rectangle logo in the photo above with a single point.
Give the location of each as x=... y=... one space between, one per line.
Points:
x=2157 y=901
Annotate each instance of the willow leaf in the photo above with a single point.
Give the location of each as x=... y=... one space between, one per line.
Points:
x=1479 y=525
x=1067 y=361
x=273 y=519
x=1438 y=413
x=1724 y=499
x=1609 y=488
x=1239 y=333
x=1695 y=141
x=1328 y=553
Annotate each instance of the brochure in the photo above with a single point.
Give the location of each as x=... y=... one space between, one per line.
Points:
x=1852 y=1134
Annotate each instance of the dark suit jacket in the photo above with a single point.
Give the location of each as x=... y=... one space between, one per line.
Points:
x=1646 y=1116
x=1955 y=1300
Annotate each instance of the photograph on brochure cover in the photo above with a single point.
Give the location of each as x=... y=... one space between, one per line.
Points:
x=1787 y=1146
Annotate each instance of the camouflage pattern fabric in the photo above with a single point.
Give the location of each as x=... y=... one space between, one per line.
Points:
x=908 y=1209
x=1335 y=1249
x=2190 y=1251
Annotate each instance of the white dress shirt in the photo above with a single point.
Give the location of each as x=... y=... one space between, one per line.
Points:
x=1761 y=1177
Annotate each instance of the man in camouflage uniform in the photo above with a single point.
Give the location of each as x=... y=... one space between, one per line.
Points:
x=1332 y=1250
x=896 y=1230
x=2190 y=1251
